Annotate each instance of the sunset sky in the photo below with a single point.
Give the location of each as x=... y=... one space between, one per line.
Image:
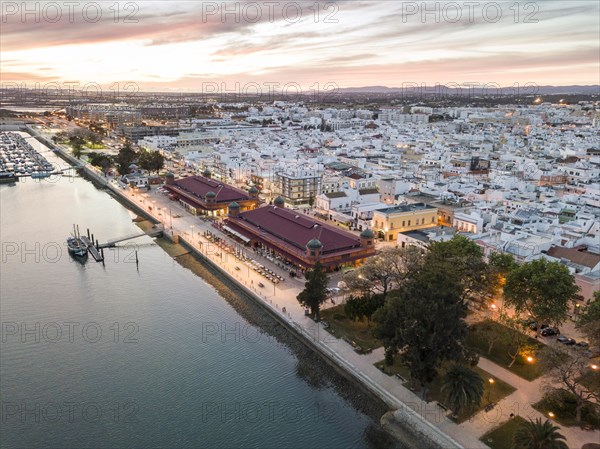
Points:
x=181 y=45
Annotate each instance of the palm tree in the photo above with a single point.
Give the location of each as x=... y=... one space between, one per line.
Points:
x=463 y=388
x=538 y=435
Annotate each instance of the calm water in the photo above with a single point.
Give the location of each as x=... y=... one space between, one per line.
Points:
x=150 y=356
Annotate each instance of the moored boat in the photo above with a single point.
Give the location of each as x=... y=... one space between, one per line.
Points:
x=76 y=245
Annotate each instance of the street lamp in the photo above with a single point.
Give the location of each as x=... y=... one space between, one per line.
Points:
x=594 y=367
x=530 y=359
x=491 y=381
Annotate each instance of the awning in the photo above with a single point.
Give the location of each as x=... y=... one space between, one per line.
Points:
x=243 y=238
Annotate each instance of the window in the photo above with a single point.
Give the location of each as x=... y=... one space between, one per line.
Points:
x=409 y=222
x=433 y=219
x=403 y=223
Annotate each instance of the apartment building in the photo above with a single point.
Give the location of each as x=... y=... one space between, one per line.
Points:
x=387 y=223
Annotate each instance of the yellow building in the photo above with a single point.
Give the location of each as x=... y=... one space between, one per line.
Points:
x=387 y=223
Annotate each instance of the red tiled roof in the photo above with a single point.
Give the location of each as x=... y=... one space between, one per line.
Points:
x=297 y=229
x=579 y=255
x=199 y=186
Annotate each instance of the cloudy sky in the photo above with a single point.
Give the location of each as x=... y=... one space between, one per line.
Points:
x=183 y=45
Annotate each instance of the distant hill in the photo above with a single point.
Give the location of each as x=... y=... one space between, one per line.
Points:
x=524 y=90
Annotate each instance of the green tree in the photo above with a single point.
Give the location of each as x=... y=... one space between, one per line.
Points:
x=543 y=289
x=462 y=259
x=144 y=160
x=425 y=319
x=314 y=293
x=462 y=387
x=157 y=161
x=100 y=160
x=589 y=320
x=499 y=265
x=515 y=336
x=151 y=161
x=538 y=435
x=360 y=307
x=125 y=158
x=77 y=149
x=388 y=269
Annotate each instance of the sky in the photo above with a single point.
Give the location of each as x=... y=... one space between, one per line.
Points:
x=191 y=45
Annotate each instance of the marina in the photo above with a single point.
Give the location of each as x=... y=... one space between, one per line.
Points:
x=18 y=159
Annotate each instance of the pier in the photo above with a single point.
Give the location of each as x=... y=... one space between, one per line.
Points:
x=95 y=252
x=111 y=243
x=97 y=249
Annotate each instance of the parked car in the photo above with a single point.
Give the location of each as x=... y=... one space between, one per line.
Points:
x=566 y=340
x=549 y=331
x=534 y=326
x=582 y=344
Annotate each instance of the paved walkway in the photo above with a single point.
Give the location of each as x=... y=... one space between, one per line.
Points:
x=520 y=404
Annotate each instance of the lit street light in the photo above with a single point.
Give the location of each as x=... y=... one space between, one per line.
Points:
x=491 y=381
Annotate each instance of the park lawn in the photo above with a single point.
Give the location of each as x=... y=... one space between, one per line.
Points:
x=564 y=412
x=94 y=146
x=340 y=326
x=492 y=392
x=499 y=354
x=501 y=437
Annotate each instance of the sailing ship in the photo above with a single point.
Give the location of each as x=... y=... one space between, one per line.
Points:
x=76 y=246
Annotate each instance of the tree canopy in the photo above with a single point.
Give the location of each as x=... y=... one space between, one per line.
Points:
x=425 y=322
x=538 y=435
x=462 y=387
x=543 y=289
x=153 y=161
x=462 y=259
x=386 y=270
x=125 y=158
x=314 y=293
x=589 y=320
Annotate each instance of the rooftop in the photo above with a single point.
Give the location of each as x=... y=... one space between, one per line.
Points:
x=404 y=208
x=297 y=229
x=578 y=255
x=199 y=186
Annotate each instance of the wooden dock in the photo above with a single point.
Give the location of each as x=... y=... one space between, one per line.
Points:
x=97 y=250
x=92 y=249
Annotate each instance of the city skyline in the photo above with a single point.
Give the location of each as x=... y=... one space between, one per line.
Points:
x=183 y=46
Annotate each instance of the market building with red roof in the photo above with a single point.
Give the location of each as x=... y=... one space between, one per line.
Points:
x=297 y=238
x=201 y=195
